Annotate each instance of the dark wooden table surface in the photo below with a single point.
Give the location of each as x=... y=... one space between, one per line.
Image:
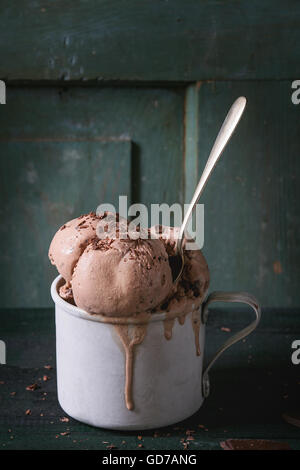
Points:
x=253 y=384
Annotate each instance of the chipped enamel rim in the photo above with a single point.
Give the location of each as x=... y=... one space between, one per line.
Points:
x=141 y=318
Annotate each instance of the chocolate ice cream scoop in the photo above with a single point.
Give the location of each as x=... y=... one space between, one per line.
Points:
x=194 y=280
x=70 y=241
x=113 y=277
x=117 y=276
x=122 y=277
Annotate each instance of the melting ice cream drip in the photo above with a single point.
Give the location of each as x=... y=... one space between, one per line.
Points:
x=130 y=337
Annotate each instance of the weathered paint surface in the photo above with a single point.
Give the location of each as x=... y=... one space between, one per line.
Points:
x=65 y=152
x=251 y=201
x=150 y=40
x=252 y=239
x=164 y=132
x=44 y=185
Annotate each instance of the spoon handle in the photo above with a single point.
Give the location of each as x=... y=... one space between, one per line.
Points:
x=226 y=131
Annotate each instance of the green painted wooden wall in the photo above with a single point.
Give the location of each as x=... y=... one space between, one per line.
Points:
x=252 y=202
x=113 y=97
x=181 y=40
x=64 y=152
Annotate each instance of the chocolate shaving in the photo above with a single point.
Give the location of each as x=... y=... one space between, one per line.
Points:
x=253 y=444
x=32 y=387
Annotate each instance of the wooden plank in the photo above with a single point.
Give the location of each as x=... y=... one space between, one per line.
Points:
x=252 y=239
x=41 y=130
x=44 y=185
x=191 y=141
x=150 y=40
x=252 y=384
x=152 y=118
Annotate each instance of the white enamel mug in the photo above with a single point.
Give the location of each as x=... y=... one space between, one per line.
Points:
x=169 y=384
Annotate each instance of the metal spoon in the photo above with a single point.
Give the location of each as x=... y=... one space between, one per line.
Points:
x=226 y=131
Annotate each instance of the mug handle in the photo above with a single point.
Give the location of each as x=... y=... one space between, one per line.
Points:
x=219 y=296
